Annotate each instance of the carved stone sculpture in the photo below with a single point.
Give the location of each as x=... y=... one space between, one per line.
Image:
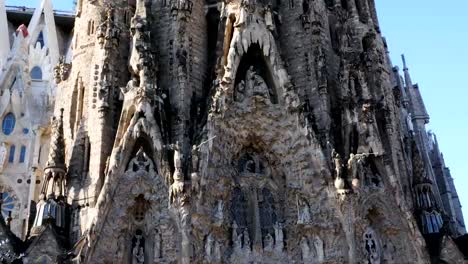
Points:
x=157 y=245
x=141 y=162
x=303 y=211
x=268 y=242
x=138 y=251
x=279 y=237
x=372 y=247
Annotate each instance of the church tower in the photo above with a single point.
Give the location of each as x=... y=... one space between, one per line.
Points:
x=243 y=131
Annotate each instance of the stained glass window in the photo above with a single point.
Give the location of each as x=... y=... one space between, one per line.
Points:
x=36 y=73
x=7 y=203
x=11 y=157
x=22 y=154
x=40 y=39
x=8 y=124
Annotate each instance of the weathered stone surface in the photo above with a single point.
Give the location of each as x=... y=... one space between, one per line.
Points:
x=245 y=131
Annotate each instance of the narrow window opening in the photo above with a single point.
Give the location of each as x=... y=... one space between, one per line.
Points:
x=39 y=155
x=22 y=154
x=11 y=157
x=40 y=39
x=86 y=161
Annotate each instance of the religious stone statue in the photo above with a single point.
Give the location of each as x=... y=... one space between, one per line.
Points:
x=141 y=162
x=138 y=251
x=243 y=13
x=209 y=244
x=240 y=91
x=409 y=123
x=269 y=18
x=318 y=246
x=219 y=213
x=246 y=239
x=260 y=87
x=355 y=168
x=371 y=246
x=64 y=70
x=120 y=247
x=305 y=249
x=338 y=162
x=255 y=84
x=236 y=236
x=369 y=140
x=3 y=154
x=157 y=246
x=177 y=186
x=303 y=211
x=279 y=237
x=217 y=251
x=268 y=242
x=57 y=77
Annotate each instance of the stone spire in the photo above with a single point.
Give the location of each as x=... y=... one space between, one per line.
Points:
x=427 y=208
x=418 y=109
x=57 y=145
x=51 y=207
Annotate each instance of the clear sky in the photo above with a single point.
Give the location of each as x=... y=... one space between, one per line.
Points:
x=434 y=37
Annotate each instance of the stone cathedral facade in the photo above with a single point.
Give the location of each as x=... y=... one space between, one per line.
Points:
x=237 y=131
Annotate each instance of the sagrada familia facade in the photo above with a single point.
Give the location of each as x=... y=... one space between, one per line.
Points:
x=204 y=131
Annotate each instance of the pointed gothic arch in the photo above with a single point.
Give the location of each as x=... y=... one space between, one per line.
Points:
x=142 y=227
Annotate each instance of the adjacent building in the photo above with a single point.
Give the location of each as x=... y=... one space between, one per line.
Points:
x=32 y=43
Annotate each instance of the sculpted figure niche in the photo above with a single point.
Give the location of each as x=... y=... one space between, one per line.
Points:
x=141 y=162
x=303 y=211
x=138 y=248
x=252 y=86
x=371 y=247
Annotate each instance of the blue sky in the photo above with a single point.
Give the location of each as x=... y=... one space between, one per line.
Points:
x=434 y=37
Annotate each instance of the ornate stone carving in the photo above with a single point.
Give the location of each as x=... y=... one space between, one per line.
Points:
x=312 y=249
x=268 y=242
x=254 y=86
x=279 y=237
x=142 y=54
x=181 y=8
x=138 y=248
x=157 y=245
x=269 y=21
x=372 y=249
x=61 y=70
x=369 y=138
x=107 y=33
x=303 y=211
x=141 y=162
x=355 y=169
x=219 y=213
